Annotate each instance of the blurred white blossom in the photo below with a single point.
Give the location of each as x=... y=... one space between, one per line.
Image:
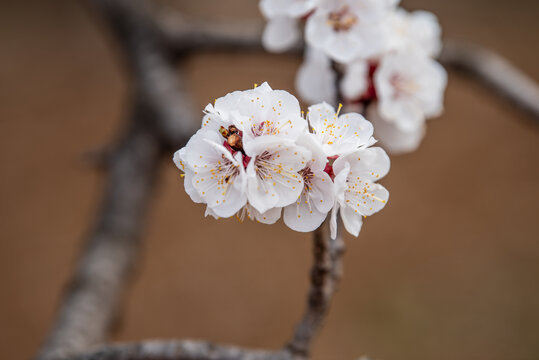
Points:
x=282 y=32
x=410 y=88
x=315 y=79
x=356 y=79
x=366 y=52
x=349 y=29
x=415 y=31
x=391 y=137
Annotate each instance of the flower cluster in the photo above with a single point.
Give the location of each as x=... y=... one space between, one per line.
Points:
x=257 y=155
x=383 y=54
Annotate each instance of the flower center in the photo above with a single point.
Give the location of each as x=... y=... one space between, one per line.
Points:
x=268 y=128
x=263 y=166
x=225 y=172
x=233 y=137
x=402 y=85
x=342 y=20
x=307 y=176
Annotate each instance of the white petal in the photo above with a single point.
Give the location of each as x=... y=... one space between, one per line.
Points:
x=293 y=8
x=263 y=111
x=426 y=32
x=317 y=31
x=333 y=222
x=273 y=178
x=318 y=113
x=406 y=114
x=323 y=192
x=303 y=216
x=351 y=220
x=189 y=188
x=269 y=217
x=342 y=134
x=355 y=80
x=280 y=34
x=369 y=164
x=198 y=152
x=367 y=37
x=410 y=87
x=318 y=160
x=339 y=181
x=210 y=212
x=261 y=194
x=434 y=83
x=372 y=198
x=315 y=80
x=224 y=197
x=177 y=158
x=213 y=119
x=392 y=138
x=288 y=183
x=214 y=174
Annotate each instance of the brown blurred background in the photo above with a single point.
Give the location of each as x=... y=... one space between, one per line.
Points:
x=448 y=270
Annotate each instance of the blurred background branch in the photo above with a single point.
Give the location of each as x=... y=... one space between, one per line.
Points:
x=495 y=72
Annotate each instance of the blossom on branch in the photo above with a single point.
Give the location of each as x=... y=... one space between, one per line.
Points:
x=410 y=89
x=256 y=156
x=349 y=29
x=371 y=53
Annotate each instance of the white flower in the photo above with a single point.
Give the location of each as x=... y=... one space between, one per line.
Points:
x=315 y=79
x=410 y=88
x=256 y=156
x=357 y=194
x=391 y=137
x=416 y=31
x=212 y=174
x=281 y=31
x=262 y=125
x=317 y=196
x=257 y=112
x=339 y=134
x=273 y=178
x=355 y=80
x=350 y=29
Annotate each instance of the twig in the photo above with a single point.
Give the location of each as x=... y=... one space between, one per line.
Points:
x=325 y=275
x=178 y=350
x=183 y=36
x=496 y=72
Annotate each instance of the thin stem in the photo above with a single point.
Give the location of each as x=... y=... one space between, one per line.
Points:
x=325 y=275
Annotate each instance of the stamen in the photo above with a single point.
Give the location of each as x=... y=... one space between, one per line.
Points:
x=339 y=109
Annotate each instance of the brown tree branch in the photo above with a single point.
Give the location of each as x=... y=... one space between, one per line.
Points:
x=182 y=36
x=178 y=350
x=325 y=275
x=496 y=72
